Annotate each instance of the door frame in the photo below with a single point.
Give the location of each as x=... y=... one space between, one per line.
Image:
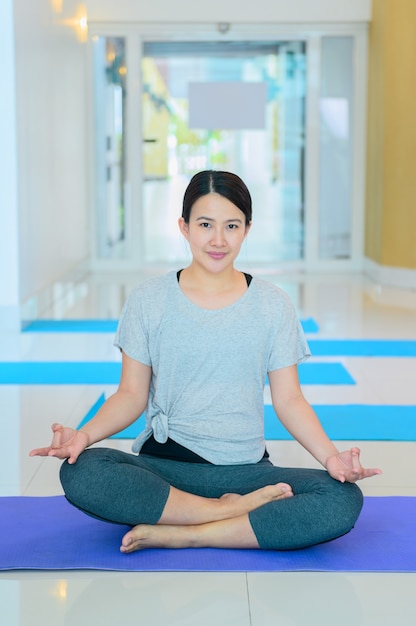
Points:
x=136 y=34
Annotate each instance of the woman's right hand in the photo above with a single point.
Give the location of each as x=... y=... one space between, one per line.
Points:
x=67 y=443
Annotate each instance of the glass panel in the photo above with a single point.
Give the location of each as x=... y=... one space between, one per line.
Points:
x=110 y=144
x=269 y=158
x=336 y=147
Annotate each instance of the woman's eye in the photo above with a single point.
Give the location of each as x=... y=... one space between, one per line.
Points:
x=232 y=226
x=205 y=224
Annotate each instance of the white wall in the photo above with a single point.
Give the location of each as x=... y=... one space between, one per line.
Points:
x=230 y=10
x=51 y=140
x=9 y=250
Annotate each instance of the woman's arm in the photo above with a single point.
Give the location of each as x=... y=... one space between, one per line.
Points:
x=299 y=418
x=125 y=406
x=297 y=415
x=118 y=412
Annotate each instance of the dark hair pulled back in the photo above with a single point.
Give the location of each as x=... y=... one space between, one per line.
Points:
x=225 y=184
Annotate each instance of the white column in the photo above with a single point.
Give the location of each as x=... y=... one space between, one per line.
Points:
x=9 y=234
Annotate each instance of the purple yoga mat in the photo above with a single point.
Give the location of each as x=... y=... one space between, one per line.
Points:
x=49 y=534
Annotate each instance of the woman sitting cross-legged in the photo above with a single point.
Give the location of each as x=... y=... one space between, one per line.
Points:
x=197 y=346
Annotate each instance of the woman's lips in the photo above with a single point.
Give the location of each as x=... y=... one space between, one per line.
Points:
x=217 y=255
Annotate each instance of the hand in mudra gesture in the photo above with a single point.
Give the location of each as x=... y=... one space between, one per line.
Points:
x=346 y=467
x=67 y=443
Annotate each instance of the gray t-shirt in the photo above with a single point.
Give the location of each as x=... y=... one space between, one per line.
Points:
x=209 y=367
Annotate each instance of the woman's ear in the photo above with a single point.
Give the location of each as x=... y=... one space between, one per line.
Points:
x=248 y=226
x=183 y=227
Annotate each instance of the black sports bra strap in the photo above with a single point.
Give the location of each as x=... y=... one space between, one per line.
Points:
x=249 y=277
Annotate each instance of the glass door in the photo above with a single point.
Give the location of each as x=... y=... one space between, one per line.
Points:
x=237 y=106
x=110 y=70
x=284 y=110
x=336 y=147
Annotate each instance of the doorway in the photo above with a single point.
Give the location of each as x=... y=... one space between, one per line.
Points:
x=236 y=106
x=285 y=113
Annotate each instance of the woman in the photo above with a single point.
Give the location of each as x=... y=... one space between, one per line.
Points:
x=197 y=346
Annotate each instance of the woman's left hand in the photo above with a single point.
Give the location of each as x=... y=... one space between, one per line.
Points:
x=346 y=467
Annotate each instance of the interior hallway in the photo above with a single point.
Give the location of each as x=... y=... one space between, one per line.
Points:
x=344 y=306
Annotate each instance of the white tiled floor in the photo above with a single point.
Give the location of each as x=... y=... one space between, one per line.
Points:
x=344 y=306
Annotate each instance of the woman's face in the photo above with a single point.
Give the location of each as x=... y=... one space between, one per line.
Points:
x=215 y=232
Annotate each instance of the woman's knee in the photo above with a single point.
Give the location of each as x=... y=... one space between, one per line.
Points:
x=351 y=503
x=338 y=506
x=309 y=518
x=343 y=500
x=114 y=486
x=88 y=473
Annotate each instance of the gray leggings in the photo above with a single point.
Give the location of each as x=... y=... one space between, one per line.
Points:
x=127 y=489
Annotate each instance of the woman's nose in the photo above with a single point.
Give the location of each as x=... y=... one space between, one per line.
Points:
x=217 y=237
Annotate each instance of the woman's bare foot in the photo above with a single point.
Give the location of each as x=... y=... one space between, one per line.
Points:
x=221 y=522
x=236 y=532
x=233 y=504
x=163 y=536
x=183 y=508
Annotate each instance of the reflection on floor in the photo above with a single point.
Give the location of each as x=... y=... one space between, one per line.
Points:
x=344 y=307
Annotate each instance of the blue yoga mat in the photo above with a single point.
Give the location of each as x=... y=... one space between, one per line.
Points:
x=108 y=373
x=70 y=326
x=350 y=422
x=106 y=326
x=59 y=537
x=60 y=373
x=355 y=422
x=363 y=347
